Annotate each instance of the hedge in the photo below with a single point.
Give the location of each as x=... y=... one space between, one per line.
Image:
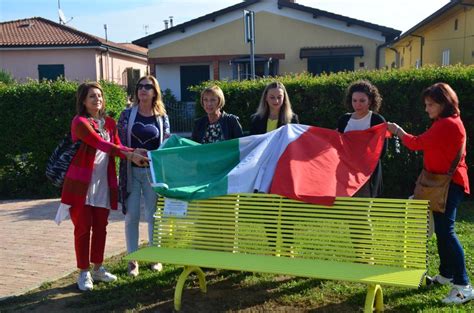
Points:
x=319 y=101
x=35 y=117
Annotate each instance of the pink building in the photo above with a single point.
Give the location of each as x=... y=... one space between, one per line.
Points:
x=38 y=48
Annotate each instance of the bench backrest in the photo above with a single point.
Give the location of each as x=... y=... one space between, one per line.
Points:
x=389 y=232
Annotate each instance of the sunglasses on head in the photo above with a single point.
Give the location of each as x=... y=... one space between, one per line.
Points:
x=146 y=86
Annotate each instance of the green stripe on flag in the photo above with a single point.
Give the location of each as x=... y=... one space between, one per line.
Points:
x=194 y=172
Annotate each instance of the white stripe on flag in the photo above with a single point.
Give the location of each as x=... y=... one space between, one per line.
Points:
x=259 y=155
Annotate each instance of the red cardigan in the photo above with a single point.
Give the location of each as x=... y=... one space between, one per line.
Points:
x=79 y=173
x=440 y=145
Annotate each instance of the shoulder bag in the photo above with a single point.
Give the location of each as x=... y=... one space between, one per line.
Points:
x=435 y=187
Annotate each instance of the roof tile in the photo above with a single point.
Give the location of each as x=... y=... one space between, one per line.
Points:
x=41 y=32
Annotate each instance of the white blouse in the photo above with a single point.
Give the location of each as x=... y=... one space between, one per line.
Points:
x=98 y=193
x=359 y=124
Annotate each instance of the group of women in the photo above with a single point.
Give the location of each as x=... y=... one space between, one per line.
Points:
x=91 y=187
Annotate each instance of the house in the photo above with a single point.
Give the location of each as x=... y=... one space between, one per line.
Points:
x=443 y=38
x=38 y=48
x=290 y=38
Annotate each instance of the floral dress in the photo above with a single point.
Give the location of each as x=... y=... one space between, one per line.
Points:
x=213 y=133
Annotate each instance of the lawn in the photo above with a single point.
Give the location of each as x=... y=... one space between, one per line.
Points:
x=240 y=291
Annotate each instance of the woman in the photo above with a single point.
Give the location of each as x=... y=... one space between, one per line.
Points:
x=274 y=110
x=90 y=185
x=364 y=100
x=441 y=144
x=217 y=125
x=142 y=126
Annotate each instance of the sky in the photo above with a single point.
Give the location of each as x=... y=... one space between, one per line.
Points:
x=129 y=20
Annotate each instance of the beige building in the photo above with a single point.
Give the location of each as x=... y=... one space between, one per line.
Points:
x=290 y=38
x=38 y=48
x=445 y=37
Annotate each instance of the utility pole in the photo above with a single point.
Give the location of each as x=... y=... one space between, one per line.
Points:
x=249 y=24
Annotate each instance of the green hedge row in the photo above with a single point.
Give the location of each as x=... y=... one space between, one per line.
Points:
x=319 y=101
x=35 y=117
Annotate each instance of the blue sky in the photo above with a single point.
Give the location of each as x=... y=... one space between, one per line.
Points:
x=128 y=20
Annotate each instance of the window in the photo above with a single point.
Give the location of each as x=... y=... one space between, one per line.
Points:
x=456 y=24
x=418 y=63
x=319 y=65
x=191 y=75
x=50 y=71
x=332 y=59
x=130 y=77
x=445 y=60
x=264 y=66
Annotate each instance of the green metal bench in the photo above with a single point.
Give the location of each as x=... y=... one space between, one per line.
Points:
x=371 y=241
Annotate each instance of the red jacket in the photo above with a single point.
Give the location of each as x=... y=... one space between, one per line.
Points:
x=440 y=145
x=79 y=173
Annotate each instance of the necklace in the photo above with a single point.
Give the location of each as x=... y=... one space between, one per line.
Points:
x=101 y=127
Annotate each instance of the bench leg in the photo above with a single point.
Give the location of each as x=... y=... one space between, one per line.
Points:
x=178 y=292
x=374 y=299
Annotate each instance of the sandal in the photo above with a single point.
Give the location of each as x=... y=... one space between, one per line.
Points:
x=459 y=294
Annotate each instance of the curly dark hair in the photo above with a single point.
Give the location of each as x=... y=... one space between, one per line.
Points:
x=370 y=90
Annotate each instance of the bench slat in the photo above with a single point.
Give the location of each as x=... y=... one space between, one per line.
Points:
x=366 y=273
x=376 y=231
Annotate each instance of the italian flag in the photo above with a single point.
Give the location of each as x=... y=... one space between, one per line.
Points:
x=306 y=163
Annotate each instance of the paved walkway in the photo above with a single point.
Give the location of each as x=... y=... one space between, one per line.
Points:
x=34 y=250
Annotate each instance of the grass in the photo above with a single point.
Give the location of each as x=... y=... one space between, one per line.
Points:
x=230 y=291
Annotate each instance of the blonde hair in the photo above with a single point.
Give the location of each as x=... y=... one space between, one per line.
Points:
x=286 y=112
x=216 y=91
x=157 y=103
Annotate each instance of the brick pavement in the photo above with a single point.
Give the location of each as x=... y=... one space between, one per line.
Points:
x=34 y=250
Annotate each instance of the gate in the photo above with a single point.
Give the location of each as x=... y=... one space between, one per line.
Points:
x=181 y=116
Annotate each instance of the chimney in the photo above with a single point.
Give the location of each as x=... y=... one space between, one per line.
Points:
x=166 y=24
x=171 y=21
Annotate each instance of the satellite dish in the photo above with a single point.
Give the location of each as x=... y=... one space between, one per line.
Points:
x=62 y=18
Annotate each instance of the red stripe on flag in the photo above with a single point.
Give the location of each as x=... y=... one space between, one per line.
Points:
x=323 y=164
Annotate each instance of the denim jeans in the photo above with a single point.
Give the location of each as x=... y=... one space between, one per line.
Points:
x=451 y=254
x=139 y=184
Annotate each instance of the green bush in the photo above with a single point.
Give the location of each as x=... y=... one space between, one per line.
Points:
x=6 y=77
x=319 y=101
x=35 y=117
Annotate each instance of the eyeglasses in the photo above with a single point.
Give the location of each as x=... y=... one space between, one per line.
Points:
x=146 y=86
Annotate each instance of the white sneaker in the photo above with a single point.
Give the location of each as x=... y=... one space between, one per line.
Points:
x=459 y=294
x=158 y=267
x=439 y=279
x=102 y=275
x=132 y=268
x=84 y=281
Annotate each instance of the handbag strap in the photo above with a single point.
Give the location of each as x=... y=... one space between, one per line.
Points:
x=456 y=161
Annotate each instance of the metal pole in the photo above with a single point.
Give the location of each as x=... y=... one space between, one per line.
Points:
x=252 y=44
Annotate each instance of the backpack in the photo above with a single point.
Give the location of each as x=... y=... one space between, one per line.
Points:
x=60 y=159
